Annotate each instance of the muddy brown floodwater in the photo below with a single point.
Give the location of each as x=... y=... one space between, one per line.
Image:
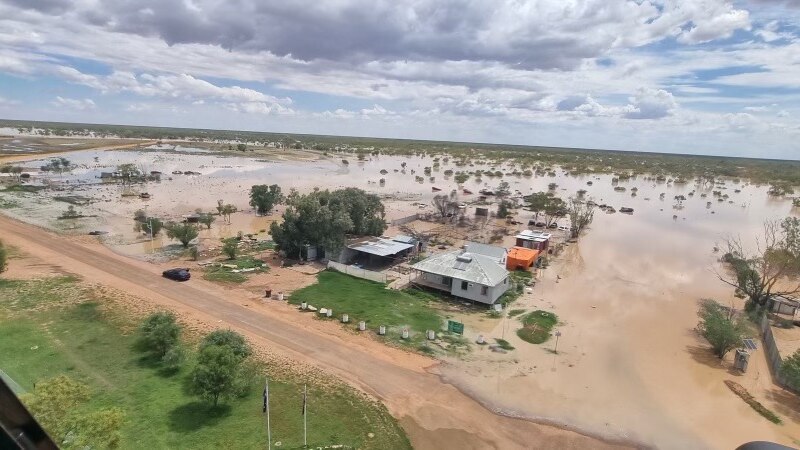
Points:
x=629 y=363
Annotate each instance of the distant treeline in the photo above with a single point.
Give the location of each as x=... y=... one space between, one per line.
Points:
x=574 y=160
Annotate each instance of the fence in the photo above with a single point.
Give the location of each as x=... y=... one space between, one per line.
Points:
x=405 y=220
x=771 y=350
x=356 y=272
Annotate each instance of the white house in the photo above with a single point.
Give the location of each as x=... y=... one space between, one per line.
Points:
x=473 y=276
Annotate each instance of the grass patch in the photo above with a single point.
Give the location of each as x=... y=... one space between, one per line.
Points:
x=739 y=390
x=88 y=339
x=8 y=204
x=515 y=312
x=504 y=344
x=372 y=302
x=24 y=188
x=226 y=273
x=536 y=326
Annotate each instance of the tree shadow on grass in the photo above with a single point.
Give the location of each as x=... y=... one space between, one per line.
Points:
x=195 y=415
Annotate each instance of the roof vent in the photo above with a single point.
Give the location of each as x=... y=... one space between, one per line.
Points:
x=464 y=257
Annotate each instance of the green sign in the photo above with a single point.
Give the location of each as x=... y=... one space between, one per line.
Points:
x=455 y=327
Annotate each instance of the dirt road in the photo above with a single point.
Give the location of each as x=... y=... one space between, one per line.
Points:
x=434 y=414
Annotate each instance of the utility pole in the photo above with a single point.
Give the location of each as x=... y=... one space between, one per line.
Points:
x=266 y=407
x=305 y=409
x=558 y=335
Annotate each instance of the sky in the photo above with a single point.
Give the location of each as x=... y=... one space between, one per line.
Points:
x=696 y=76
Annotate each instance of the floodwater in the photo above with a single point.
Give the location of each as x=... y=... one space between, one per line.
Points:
x=629 y=363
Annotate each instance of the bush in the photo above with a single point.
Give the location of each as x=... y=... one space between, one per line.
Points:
x=230 y=247
x=720 y=327
x=159 y=333
x=536 y=326
x=183 y=232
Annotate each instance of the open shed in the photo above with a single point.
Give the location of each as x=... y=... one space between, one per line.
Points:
x=377 y=252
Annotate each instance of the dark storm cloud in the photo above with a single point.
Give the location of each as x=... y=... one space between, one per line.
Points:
x=357 y=31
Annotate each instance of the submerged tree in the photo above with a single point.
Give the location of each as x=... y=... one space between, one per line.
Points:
x=580 y=215
x=723 y=329
x=767 y=270
x=183 y=232
x=206 y=219
x=263 y=198
x=446 y=207
x=545 y=203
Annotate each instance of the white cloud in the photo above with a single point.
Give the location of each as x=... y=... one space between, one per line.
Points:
x=71 y=103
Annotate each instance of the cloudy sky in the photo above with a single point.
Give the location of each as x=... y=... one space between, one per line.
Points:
x=689 y=76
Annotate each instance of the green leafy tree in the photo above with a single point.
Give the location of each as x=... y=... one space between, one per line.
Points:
x=721 y=327
x=128 y=173
x=227 y=210
x=230 y=247
x=183 y=232
x=230 y=339
x=207 y=220
x=160 y=333
x=151 y=226
x=324 y=218
x=545 y=203
x=3 y=258
x=790 y=370
x=56 y=404
x=503 y=210
x=263 y=198
x=215 y=374
x=241 y=147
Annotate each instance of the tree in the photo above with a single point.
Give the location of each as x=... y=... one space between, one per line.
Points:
x=324 y=218
x=151 y=226
x=160 y=333
x=545 y=203
x=241 y=147
x=765 y=272
x=230 y=339
x=230 y=247
x=461 y=177
x=128 y=172
x=580 y=216
x=445 y=206
x=3 y=258
x=263 y=198
x=183 y=232
x=503 y=189
x=70 y=213
x=790 y=369
x=56 y=404
x=503 y=209
x=721 y=327
x=227 y=210
x=213 y=377
x=207 y=220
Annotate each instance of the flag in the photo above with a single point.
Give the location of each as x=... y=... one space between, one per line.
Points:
x=266 y=397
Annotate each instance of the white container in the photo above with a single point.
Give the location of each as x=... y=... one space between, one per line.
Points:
x=362 y=326
x=405 y=333
x=480 y=339
x=303 y=305
x=431 y=335
x=280 y=297
x=382 y=330
x=345 y=318
x=329 y=313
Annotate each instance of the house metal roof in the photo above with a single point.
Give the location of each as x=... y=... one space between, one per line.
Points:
x=486 y=250
x=380 y=247
x=404 y=239
x=472 y=267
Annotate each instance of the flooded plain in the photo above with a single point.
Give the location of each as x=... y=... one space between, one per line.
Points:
x=629 y=362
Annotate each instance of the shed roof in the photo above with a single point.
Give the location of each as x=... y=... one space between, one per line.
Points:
x=523 y=254
x=403 y=238
x=380 y=247
x=491 y=251
x=531 y=235
x=473 y=267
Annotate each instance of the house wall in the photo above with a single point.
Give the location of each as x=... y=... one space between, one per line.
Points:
x=473 y=291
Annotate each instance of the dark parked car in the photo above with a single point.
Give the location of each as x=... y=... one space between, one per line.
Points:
x=177 y=274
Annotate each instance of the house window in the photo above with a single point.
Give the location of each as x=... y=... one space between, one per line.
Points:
x=484 y=290
x=464 y=285
x=447 y=281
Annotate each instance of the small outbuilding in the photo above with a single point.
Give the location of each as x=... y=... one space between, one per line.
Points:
x=782 y=304
x=536 y=240
x=521 y=258
x=378 y=251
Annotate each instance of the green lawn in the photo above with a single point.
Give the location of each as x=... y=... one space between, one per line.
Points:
x=226 y=275
x=59 y=326
x=373 y=303
x=536 y=326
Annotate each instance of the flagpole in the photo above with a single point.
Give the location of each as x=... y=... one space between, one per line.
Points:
x=266 y=400
x=305 y=408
